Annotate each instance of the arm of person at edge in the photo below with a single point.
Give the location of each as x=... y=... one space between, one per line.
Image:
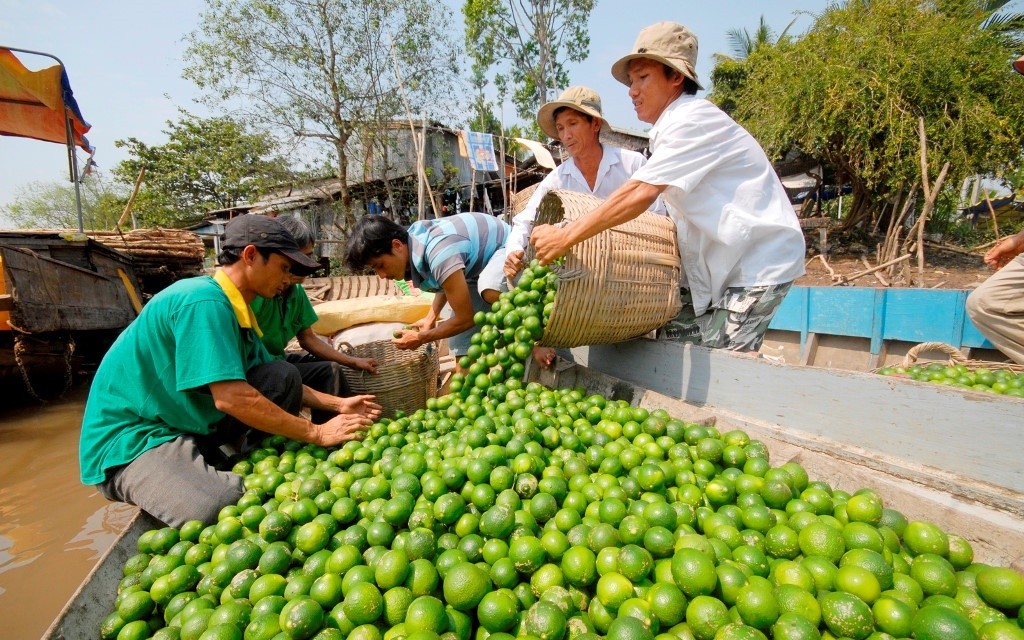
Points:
x=317 y=347
x=456 y=293
x=522 y=225
x=626 y=203
x=242 y=401
x=1005 y=250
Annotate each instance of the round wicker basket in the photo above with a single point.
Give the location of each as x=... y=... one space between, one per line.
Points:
x=618 y=285
x=404 y=380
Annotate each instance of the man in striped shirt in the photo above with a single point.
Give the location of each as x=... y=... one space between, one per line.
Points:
x=460 y=258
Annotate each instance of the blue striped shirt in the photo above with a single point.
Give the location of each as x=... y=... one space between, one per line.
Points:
x=439 y=248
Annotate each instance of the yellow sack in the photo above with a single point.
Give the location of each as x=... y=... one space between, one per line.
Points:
x=336 y=315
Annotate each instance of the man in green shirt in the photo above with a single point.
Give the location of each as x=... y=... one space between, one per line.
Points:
x=290 y=315
x=190 y=372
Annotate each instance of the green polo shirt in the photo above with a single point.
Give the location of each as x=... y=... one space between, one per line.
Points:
x=282 y=318
x=151 y=386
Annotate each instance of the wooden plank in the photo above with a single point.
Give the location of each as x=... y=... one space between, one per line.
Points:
x=968 y=437
x=841 y=312
x=811 y=350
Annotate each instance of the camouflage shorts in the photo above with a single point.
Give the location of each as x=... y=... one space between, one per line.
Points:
x=737 y=323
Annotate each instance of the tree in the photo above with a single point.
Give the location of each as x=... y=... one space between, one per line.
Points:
x=850 y=92
x=482 y=117
x=323 y=71
x=206 y=164
x=730 y=71
x=52 y=205
x=743 y=43
x=533 y=40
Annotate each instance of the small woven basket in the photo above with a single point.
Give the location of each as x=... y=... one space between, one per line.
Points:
x=404 y=380
x=955 y=357
x=618 y=285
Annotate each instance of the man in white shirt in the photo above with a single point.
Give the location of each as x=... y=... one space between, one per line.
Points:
x=575 y=120
x=739 y=239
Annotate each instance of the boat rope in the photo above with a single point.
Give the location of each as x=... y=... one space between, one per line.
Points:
x=69 y=350
x=20 y=350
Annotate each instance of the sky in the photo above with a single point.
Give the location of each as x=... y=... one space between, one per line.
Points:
x=124 y=61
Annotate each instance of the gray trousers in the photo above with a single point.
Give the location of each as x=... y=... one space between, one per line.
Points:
x=179 y=481
x=996 y=308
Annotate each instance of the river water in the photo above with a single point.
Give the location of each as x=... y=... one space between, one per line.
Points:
x=52 y=528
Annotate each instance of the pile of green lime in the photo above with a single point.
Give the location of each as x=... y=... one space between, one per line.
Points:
x=498 y=351
x=506 y=509
x=999 y=381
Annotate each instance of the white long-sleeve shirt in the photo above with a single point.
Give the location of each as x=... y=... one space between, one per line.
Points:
x=617 y=165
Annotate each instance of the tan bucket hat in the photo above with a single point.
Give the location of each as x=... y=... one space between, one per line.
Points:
x=666 y=42
x=582 y=99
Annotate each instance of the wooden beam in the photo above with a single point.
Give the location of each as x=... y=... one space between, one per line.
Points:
x=6 y=302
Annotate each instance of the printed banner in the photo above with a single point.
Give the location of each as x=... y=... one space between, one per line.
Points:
x=481 y=151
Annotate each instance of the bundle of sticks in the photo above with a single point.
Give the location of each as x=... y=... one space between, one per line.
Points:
x=159 y=256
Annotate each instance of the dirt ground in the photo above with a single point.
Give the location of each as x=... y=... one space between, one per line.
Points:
x=943 y=269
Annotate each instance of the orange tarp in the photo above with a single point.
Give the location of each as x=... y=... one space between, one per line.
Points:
x=32 y=103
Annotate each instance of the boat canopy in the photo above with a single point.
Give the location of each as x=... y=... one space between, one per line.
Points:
x=39 y=104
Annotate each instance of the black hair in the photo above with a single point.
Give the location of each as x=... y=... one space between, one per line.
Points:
x=231 y=256
x=690 y=87
x=371 y=237
x=554 y=116
x=299 y=230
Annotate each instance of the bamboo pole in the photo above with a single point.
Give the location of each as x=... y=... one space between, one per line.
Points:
x=991 y=210
x=412 y=128
x=131 y=198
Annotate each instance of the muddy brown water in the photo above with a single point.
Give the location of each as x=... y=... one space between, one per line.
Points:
x=52 y=528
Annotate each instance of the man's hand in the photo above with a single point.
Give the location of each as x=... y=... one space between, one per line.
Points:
x=1005 y=250
x=407 y=339
x=342 y=428
x=550 y=243
x=544 y=356
x=368 y=365
x=513 y=264
x=362 y=405
x=424 y=323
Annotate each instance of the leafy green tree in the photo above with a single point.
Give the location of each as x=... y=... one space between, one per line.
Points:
x=51 y=205
x=206 y=164
x=482 y=116
x=324 y=71
x=531 y=40
x=850 y=93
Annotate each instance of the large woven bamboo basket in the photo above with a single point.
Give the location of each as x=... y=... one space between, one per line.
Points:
x=522 y=197
x=618 y=285
x=404 y=380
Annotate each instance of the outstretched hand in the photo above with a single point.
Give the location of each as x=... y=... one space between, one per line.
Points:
x=549 y=241
x=407 y=339
x=362 y=405
x=1005 y=250
x=368 y=365
x=342 y=428
x=513 y=264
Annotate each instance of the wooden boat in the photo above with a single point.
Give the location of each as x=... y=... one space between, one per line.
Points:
x=64 y=298
x=936 y=453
